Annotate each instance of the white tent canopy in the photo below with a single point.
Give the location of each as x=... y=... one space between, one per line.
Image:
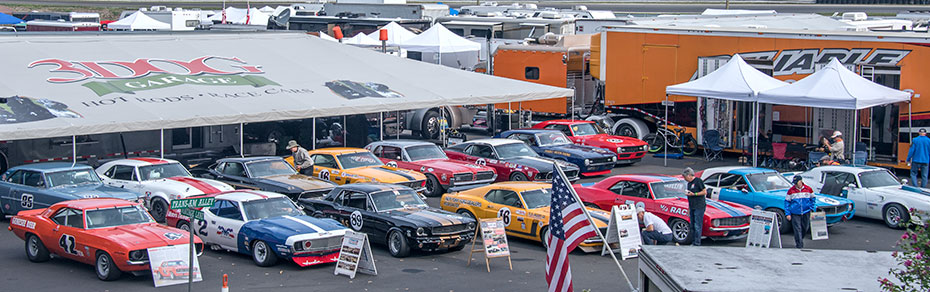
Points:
x=325 y=36
x=124 y=83
x=397 y=34
x=361 y=39
x=438 y=39
x=138 y=21
x=834 y=86
x=234 y=15
x=735 y=80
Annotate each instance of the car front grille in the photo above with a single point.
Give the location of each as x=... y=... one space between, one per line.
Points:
x=544 y=175
x=733 y=221
x=484 y=175
x=833 y=210
x=631 y=149
x=416 y=185
x=451 y=229
x=601 y=160
x=571 y=174
x=462 y=177
x=319 y=244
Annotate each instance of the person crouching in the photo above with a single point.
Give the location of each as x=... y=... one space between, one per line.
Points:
x=655 y=231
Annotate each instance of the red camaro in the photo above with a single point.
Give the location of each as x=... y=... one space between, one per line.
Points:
x=664 y=196
x=628 y=149
x=111 y=234
x=442 y=173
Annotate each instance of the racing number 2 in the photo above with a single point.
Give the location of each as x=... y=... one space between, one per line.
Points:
x=203 y=227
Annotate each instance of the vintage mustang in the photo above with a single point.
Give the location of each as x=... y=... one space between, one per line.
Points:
x=267 y=226
x=40 y=185
x=513 y=160
x=766 y=189
x=553 y=144
x=628 y=149
x=664 y=196
x=523 y=206
x=394 y=215
x=355 y=165
x=266 y=173
x=875 y=191
x=159 y=180
x=442 y=173
x=111 y=234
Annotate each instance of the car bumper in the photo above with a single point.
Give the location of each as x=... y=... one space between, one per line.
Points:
x=590 y=245
x=726 y=232
x=315 y=259
x=841 y=217
x=630 y=156
x=441 y=242
x=467 y=185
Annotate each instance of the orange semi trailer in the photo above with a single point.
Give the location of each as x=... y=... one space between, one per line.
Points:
x=635 y=64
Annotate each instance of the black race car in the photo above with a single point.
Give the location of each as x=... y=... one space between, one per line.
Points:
x=393 y=215
x=268 y=173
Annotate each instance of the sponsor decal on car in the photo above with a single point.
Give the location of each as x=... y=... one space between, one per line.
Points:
x=22 y=223
x=463 y=201
x=173 y=236
x=674 y=210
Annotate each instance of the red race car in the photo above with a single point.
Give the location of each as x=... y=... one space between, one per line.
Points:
x=111 y=234
x=442 y=173
x=629 y=150
x=664 y=196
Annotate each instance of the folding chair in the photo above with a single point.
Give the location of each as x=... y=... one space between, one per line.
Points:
x=712 y=148
x=778 y=154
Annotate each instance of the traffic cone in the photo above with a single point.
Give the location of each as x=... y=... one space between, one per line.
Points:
x=225 y=283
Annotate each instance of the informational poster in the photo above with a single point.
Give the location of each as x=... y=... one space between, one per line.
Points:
x=170 y=265
x=819 y=226
x=355 y=255
x=623 y=234
x=495 y=238
x=762 y=225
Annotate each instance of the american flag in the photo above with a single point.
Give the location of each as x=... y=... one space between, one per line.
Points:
x=568 y=227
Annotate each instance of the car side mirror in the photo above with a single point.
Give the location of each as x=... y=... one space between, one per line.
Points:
x=744 y=190
x=851 y=186
x=903 y=181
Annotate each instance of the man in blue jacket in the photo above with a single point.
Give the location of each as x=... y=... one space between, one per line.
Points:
x=918 y=158
x=799 y=203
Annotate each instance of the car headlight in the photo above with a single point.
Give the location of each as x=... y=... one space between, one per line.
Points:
x=716 y=222
x=587 y=161
x=421 y=231
x=471 y=226
x=619 y=150
x=849 y=207
x=138 y=255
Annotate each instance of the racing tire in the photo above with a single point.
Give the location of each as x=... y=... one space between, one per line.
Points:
x=544 y=236
x=681 y=231
x=433 y=188
x=783 y=225
x=105 y=267
x=895 y=216
x=689 y=145
x=159 y=209
x=35 y=249
x=397 y=244
x=518 y=176
x=184 y=225
x=467 y=213
x=592 y=206
x=626 y=130
x=656 y=142
x=429 y=129
x=263 y=255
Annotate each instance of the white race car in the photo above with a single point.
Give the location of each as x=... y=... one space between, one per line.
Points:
x=876 y=191
x=158 y=180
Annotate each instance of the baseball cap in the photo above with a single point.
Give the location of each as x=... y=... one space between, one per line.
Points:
x=836 y=133
x=796 y=179
x=922 y=130
x=640 y=209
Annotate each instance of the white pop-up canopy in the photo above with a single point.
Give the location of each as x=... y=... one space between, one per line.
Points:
x=64 y=85
x=438 y=39
x=325 y=36
x=735 y=80
x=361 y=39
x=397 y=34
x=138 y=21
x=234 y=15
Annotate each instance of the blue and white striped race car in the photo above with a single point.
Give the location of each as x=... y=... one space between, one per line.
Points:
x=266 y=225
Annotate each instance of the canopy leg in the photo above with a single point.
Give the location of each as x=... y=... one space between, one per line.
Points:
x=665 y=124
x=755 y=136
x=73 y=150
x=381 y=126
x=161 y=142
x=241 y=140
x=313 y=135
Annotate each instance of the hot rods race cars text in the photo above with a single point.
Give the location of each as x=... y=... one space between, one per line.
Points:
x=442 y=173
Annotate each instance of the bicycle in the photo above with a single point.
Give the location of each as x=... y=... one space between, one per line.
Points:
x=674 y=138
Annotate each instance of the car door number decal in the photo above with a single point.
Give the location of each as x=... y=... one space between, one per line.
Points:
x=355 y=220
x=391 y=164
x=481 y=162
x=26 y=201
x=504 y=214
x=66 y=242
x=324 y=174
x=203 y=227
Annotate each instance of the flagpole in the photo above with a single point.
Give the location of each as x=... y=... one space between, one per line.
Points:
x=596 y=230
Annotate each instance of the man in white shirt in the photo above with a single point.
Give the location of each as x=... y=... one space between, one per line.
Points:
x=655 y=231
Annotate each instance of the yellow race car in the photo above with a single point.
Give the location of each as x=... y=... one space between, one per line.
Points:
x=523 y=206
x=355 y=165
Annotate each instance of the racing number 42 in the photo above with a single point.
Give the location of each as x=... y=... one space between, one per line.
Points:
x=66 y=242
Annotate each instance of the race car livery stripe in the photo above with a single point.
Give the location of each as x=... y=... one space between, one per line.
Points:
x=422 y=217
x=199 y=185
x=725 y=208
x=305 y=223
x=444 y=220
x=598 y=216
x=388 y=170
x=149 y=160
x=254 y=194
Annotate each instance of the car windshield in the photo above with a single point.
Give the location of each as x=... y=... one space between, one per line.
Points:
x=425 y=152
x=265 y=168
x=273 y=207
x=668 y=189
x=878 y=178
x=768 y=181
x=165 y=170
x=537 y=198
x=72 y=177
x=552 y=139
x=119 y=216
x=359 y=159
x=585 y=129
x=396 y=199
x=514 y=150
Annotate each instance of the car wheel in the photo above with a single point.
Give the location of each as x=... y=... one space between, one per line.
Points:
x=35 y=250
x=433 y=188
x=430 y=127
x=106 y=268
x=518 y=176
x=159 y=209
x=397 y=244
x=895 y=216
x=783 y=225
x=263 y=255
x=592 y=205
x=626 y=130
x=681 y=231
x=544 y=236
x=184 y=225
x=466 y=213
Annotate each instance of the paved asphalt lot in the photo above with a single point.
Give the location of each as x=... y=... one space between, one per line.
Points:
x=420 y=272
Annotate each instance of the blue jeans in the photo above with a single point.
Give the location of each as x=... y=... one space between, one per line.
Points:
x=922 y=168
x=697 y=222
x=800 y=225
x=655 y=238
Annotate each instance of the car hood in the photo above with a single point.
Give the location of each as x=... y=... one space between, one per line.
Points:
x=187 y=186
x=539 y=163
x=386 y=174
x=611 y=140
x=715 y=209
x=912 y=192
x=303 y=182
x=453 y=166
x=141 y=236
x=97 y=190
x=428 y=217
x=285 y=226
x=828 y=200
x=581 y=151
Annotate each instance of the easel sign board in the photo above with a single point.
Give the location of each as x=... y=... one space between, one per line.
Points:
x=762 y=225
x=623 y=233
x=355 y=255
x=819 y=226
x=495 y=238
x=170 y=263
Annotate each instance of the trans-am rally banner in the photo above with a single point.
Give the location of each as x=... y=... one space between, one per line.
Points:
x=63 y=85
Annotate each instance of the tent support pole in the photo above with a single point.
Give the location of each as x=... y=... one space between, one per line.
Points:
x=520 y=111
x=509 y=116
x=855 y=133
x=910 y=123
x=755 y=137
x=344 y=138
x=73 y=150
x=381 y=125
x=161 y=142
x=397 y=125
x=313 y=135
x=665 y=124
x=241 y=139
